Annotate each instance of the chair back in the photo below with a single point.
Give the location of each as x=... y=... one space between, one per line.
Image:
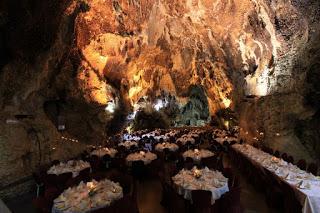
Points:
x=276 y=154
x=201 y=199
x=138 y=169
x=126 y=183
x=290 y=159
x=95 y=163
x=210 y=162
x=55 y=162
x=313 y=168
x=284 y=156
x=176 y=203
x=302 y=164
x=85 y=174
x=63 y=178
x=230 y=201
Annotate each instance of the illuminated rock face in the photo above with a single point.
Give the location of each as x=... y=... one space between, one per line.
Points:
x=230 y=48
x=97 y=59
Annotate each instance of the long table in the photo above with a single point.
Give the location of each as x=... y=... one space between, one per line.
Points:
x=287 y=172
x=3 y=207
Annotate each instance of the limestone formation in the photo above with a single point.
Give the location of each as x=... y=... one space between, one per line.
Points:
x=87 y=64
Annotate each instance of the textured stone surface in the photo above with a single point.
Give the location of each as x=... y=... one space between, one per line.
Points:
x=78 y=59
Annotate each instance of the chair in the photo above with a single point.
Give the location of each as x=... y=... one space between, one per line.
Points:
x=51 y=193
x=176 y=204
x=228 y=173
x=188 y=164
x=210 y=162
x=313 y=168
x=95 y=163
x=274 y=194
x=63 y=178
x=276 y=154
x=290 y=159
x=37 y=176
x=302 y=164
x=121 y=149
x=106 y=160
x=126 y=183
x=230 y=201
x=170 y=170
x=139 y=170
x=284 y=156
x=291 y=204
x=166 y=153
x=220 y=161
x=42 y=205
x=165 y=198
x=85 y=174
x=201 y=200
x=50 y=180
x=55 y=162
x=125 y=204
x=255 y=145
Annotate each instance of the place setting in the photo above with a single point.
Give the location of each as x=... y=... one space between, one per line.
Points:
x=145 y=156
x=73 y=166
x=87 y=197
x=200 y=179
x=197 y=154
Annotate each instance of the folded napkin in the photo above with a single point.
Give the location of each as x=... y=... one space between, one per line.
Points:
x=289 y=176
x=304 y=185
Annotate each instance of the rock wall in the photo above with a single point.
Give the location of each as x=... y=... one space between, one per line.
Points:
x=288 y=114
x=86 y=64
x=37 y=39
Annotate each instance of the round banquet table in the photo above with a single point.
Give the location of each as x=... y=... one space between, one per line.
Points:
x=71 y=166
x=146 y=157
x=104 y=151
x=171 y=146
x=87 y=197
x=197 y=154
x=128 y=144
x=186 y=181
x=185 y=140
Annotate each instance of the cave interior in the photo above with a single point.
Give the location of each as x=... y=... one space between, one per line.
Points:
x=79 y=74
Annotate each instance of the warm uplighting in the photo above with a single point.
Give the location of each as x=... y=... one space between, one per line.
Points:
x=226 y=102
x=110 y=107
x=226 y=124
x=160 y=104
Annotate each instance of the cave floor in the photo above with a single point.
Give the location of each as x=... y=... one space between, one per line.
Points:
x=149 y=197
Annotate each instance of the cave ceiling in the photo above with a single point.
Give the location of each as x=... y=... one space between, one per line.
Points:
x=143 y=46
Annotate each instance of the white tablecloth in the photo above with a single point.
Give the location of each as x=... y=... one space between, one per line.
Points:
x=210 y=180
x=171 y=146
x=71 y=166
x=3 y=207
x=104 y=151
x=128 y=144
x=87 y=197
x=183 y=140
x=228 y=139
x=146 y=157
x=197 y=155
x=305 y=185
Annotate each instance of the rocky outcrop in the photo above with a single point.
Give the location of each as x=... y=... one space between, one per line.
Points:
x=87 y=64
